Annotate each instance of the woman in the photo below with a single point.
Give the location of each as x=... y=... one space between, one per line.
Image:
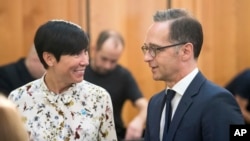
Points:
x=62 y=106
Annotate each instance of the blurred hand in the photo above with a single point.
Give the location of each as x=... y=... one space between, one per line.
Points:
x=134 y=129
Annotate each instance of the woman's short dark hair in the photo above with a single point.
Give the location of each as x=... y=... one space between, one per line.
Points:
x=60 y=37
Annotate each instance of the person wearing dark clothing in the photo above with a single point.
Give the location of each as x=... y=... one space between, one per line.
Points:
x=239 y=86
x=119 y=82
x=121 y=86
x=190 y=107
x=16 y=74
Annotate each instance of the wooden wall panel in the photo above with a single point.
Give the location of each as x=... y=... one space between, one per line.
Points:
x=10 y=31
x=39 y=11
x=132 y=22
x=219 y=40
x=226 y=31
x=225 y=23
x=20 y=19
x=137 y=22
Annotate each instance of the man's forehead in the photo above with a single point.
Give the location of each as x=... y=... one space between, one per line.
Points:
x=112 y=44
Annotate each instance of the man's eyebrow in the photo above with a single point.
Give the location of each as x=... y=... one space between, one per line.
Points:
x=152 y=44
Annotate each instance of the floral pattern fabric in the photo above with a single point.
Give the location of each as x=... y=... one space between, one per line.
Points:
x=83 y=112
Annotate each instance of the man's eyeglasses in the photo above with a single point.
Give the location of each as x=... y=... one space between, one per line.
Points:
x=152 y=49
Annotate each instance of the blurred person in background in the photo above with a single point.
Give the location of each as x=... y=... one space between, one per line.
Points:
x=105 y=71
x=11 y=125
x=16 y=74
x=239 y=86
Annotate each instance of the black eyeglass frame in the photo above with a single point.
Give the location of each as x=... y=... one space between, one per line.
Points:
x=145 y=48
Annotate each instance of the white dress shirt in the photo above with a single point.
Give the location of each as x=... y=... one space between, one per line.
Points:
x=180 y=87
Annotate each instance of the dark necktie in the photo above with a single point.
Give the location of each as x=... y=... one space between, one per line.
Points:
x=168 y=114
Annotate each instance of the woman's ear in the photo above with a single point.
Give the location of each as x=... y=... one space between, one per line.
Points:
x=49 y=59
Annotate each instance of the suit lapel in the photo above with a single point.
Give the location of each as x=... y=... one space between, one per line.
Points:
x=157 y=114
x=185 y=103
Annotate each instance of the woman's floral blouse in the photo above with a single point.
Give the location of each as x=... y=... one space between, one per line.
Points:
x=83 y=112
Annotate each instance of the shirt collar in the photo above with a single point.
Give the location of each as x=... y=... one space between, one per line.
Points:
x=181 y=86
x=65 y=96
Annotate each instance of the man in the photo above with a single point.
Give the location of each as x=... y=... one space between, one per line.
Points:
x=18 y=73
x=118 y=81
x=201 y=110
x=240 y=87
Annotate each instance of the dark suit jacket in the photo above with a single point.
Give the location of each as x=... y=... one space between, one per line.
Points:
x=203 y=114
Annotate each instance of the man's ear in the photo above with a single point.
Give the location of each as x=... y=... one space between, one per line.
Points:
x=49 y=59
x=187 y=51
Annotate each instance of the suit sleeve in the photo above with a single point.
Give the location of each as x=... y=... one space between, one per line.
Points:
x=147 y=133
x=218 y=115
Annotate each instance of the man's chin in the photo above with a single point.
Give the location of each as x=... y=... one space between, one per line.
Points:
x=156 y=78
x=103 y=72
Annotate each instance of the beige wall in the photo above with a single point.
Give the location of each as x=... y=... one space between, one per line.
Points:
x=225 y=24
